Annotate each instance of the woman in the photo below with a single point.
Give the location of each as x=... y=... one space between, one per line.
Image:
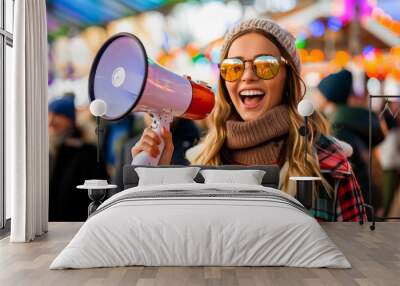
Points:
x=255 y=119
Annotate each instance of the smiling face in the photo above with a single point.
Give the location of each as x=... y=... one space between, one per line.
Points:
x=251 y=96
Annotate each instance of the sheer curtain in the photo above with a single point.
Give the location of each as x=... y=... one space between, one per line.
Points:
x=26 y=121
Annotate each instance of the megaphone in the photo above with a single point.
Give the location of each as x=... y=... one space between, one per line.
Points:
x=128 y=81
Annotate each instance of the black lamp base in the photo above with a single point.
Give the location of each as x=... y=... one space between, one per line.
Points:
x=305 y=193
x=305 y=190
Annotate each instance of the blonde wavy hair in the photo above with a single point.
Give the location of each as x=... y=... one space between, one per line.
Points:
x=294 y=155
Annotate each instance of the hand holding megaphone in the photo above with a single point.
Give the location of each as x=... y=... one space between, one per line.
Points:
x=127 y=81
x=152 y=144
x=155 y=147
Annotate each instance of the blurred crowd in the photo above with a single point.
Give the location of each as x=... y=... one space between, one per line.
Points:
x=73 y=153
x=72 y=142
x=350 y=120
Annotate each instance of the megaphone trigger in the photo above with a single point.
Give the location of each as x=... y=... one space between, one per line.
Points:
x=159 y=121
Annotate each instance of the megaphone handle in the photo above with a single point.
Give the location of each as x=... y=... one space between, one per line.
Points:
x=159 y=121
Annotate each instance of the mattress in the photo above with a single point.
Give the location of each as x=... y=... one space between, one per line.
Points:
x=201 y=225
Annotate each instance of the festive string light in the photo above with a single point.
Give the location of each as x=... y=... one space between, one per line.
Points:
x=368 y=50
x=334 y=24
x=303 y=55
x=301 y=42
x=317 y=55
x=386 y=20
x=317 y=28
x=341 y=58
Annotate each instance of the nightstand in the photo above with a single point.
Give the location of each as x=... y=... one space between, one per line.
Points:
x=97 y=190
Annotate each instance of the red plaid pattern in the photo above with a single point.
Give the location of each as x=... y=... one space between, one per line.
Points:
x=349 y=196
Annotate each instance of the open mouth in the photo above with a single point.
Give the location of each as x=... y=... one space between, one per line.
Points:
x=251 y=97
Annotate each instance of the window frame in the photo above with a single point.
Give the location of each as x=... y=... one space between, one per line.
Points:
x=6 y=39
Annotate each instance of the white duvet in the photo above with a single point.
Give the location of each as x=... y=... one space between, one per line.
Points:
x=185 y=230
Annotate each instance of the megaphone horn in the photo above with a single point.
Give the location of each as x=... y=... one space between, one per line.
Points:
x=128 y=81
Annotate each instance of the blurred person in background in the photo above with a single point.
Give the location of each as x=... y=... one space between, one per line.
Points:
x=255 y=120
x=185 y=134
x=389 y=154
x=72 y=161
x=350 y=124
x=116 y=135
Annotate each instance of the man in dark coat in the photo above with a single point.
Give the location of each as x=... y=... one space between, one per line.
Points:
x=71 y=163
x=350 y=124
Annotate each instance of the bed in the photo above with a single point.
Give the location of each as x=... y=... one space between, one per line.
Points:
x=201 y=224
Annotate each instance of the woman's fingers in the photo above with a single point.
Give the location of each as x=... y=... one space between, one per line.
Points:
x=144 y=146
x=151 y=135
x=167 y=137
x=149 y=142
x=151 y=149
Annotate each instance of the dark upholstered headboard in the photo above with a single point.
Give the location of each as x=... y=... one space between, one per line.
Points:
x=270 y=179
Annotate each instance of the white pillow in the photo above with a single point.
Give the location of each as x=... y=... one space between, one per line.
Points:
x=163 y=176
x=249 y=177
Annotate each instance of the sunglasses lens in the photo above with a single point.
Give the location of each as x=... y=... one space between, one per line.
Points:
x=267 y=67
x=231 y=69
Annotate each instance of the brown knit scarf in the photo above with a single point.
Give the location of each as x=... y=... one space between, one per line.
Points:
x=256 y=142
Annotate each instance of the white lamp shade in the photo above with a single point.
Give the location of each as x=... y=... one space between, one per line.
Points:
x=305 y=108
x=98 y=107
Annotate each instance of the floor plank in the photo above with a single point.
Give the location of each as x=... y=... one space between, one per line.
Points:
x=374 y=255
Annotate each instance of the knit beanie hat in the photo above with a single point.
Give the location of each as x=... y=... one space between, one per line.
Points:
x=283 y=37
x=63 y=106
x=337 y=87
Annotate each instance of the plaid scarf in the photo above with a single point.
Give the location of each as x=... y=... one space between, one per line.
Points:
x=346 y=203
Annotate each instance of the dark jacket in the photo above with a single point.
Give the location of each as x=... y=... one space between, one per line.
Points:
x=74 y=163
x=350 y=124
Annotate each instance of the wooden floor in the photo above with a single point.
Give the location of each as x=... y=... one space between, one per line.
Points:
x=375 y=256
